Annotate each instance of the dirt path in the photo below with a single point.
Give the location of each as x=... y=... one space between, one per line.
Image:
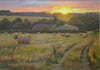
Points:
x=58 y=66
x=85 y=62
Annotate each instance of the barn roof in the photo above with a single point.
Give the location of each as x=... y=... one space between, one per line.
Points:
x=42 y=26
x=67 y=26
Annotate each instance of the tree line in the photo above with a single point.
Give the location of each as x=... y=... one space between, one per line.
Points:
x=85 y=22
x=19 y=24
x=89 y=21
x=16 y=24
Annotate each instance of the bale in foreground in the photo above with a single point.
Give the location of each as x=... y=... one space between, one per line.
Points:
x=15 y=35
x=24 y=39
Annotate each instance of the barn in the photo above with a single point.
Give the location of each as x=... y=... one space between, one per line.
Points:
x=42 y=26
x=67 y=26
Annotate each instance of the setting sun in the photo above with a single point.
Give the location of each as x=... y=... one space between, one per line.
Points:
x=61 y=9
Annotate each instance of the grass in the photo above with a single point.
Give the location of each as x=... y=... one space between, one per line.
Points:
x=72 y=61
x=36 y=52
x=39 y=55
x=93 y=54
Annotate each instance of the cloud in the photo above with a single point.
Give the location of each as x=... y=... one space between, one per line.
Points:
x=80 y=4
x=35 y=9
x=67 y=0
x=48 y=0
x=19 y=3
x=48 y=5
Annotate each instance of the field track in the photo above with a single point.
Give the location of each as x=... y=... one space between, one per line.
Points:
x=85 y=62
x=58 y=66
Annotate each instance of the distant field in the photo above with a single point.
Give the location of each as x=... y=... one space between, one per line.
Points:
x=11 y=18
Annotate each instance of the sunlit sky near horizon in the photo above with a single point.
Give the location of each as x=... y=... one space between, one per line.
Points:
x=53 y=6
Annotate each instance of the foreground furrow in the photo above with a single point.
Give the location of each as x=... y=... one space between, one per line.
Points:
x=84 y=60
x=58 y=66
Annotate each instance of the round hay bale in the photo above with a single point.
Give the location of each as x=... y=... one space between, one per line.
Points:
x=15 y=35
x=24 y=39
x=20 y=39
x=6 y=33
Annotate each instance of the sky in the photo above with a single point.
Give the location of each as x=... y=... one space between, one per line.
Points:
x=52 y=6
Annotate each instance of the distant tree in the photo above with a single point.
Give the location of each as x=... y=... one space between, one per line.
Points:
x=58 y=22
x=44 y=21
x=55 y=19
x=1 y=26
x=17 y=23
x=5 y=24
x=26 y=24
x=5 y=12
x=17 y=20
x=86 y=21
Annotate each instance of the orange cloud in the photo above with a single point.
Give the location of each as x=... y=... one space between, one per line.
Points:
x=35 y=9
x=64 y=7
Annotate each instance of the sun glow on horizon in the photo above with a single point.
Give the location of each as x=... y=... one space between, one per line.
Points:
x=62 y=10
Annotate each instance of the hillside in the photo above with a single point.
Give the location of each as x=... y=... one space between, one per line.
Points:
x=88 y=21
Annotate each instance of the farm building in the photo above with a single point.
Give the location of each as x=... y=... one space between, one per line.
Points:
x=53 y=27
x=67 y=26
x=42 y=26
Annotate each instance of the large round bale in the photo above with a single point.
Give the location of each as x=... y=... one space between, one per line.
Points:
x=20 y=39
x=27 y=39
x=24 y=39
x=15 y=35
